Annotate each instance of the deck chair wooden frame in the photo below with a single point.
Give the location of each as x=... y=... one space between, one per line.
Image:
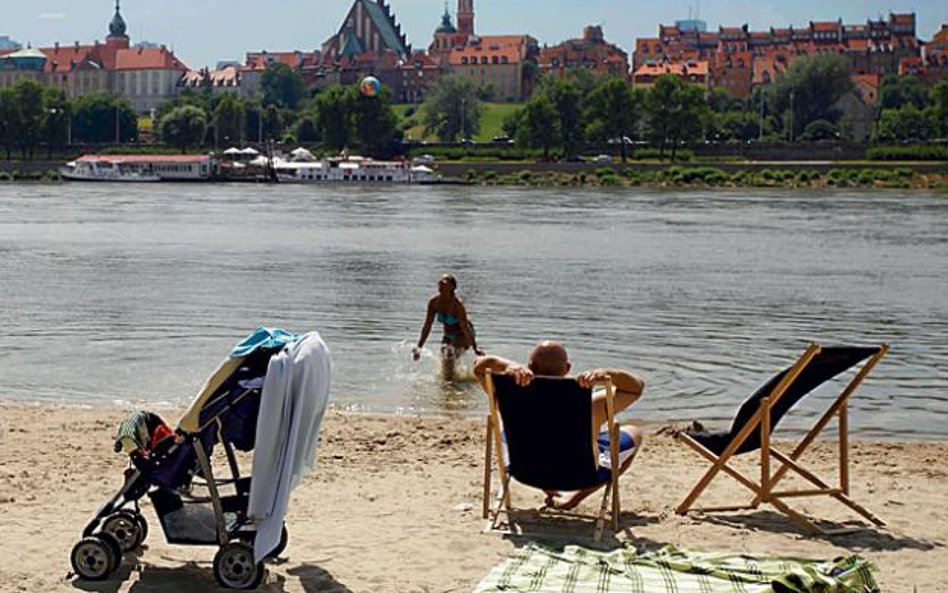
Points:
x=765 y=491
x=494 y=447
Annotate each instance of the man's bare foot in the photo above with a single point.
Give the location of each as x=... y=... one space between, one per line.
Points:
x=566 y=501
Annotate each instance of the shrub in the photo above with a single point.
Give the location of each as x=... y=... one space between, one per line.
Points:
x=920 y=152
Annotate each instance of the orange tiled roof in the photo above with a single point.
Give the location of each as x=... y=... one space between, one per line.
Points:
x=825 y=25
x=867 y=79
x=66 y=57
x=941 y=37
x=902 y=19
x=293 y=59
x=157 y=58
x=857 y=44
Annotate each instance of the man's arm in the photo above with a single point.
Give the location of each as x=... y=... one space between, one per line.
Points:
x=501 y=366
x=628 y=389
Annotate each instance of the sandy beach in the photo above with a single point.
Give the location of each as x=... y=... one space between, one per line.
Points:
x=394 y=505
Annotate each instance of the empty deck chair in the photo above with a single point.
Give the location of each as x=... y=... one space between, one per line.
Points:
x=520 y=426
x=758 y=417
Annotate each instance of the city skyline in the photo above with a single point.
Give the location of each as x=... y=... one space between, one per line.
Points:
x=203 y=34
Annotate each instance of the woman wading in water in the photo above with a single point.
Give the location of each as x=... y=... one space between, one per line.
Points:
x=446 y=306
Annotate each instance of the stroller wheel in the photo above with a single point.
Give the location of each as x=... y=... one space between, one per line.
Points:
x=125 y=527
x=234 y=567
x=93 y=558
x=142 y=526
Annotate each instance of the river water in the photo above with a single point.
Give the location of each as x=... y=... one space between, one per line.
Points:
x=131 y=294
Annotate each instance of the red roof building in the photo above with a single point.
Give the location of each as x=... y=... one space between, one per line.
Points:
x=146 y=76
x=592 y=52
x=739 y=58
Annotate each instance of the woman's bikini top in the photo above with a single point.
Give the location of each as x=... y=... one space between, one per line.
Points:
x=448 y=319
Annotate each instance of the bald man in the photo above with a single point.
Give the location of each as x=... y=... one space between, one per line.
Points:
x=551 y=359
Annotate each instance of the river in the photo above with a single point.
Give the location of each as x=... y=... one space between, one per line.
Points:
x=130 y=294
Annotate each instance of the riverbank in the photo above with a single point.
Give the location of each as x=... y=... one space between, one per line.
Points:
x=726 y=174
x=394 y=505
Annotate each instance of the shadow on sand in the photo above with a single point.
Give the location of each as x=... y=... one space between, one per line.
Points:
x=199 y=576
x=865 y=538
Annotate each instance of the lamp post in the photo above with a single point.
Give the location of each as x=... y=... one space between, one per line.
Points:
x=463 y=116
x=118 y=127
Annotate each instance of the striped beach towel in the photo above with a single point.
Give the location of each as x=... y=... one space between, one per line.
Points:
x=579 y=570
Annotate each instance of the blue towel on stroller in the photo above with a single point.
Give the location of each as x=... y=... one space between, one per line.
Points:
x=263 y=337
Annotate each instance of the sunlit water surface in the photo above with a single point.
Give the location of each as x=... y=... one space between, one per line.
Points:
x=131 y=294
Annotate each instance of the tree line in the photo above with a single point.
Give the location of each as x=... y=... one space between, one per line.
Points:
x=564 y=116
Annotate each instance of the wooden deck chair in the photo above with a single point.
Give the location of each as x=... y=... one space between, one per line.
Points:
x=550 y=444
x=759 y=415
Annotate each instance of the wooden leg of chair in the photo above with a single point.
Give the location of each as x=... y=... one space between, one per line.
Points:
x=601 y=520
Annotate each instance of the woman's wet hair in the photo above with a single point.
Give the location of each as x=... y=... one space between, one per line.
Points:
x=451 y=280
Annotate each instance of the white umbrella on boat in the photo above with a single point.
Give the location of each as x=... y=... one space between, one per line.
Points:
x=233 y=151
x=249 y=151
x=301 y=154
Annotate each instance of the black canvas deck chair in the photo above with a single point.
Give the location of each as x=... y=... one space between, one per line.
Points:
x=550 y=444
x=758 y=417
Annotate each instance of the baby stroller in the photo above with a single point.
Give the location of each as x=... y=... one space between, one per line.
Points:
x=268 y=397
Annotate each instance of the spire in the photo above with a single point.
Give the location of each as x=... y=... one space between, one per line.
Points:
x=447 y=26
x=117 y=27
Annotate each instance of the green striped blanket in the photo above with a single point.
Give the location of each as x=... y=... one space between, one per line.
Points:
x=580 y=570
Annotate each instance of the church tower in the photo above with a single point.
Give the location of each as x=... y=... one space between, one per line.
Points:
x=466 y=18
x=117 y=37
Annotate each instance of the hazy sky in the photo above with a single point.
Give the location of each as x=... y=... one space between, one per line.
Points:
x=202 y=32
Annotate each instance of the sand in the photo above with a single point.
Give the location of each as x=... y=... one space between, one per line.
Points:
x=394 y=505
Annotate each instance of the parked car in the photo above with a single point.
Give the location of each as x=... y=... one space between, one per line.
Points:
x=602 y=158
x=502 y=140
x=424 y=159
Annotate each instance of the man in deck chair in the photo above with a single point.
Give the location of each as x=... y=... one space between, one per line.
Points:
x=550 y=359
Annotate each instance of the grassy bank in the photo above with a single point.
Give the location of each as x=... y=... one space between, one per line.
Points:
x=901 y=178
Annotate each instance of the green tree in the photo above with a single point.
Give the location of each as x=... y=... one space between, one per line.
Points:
x=29 y=115
x=676 y=111
x=374 y=123
x=566 y=96
x=333 y=109
x=7 y=115
x=820 y=130
x=98 y=116
x=183 y=127
x=58 y=116
x=537 y=125
x=939 y=108
x=453 y=108
x=907 y=123
x=281 y=85
x=612 y=111
x=809 y=89
x=273 y=118
x=897 y=91
x=229 y=118
x=306 y=128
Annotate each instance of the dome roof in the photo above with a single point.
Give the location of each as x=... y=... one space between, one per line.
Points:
x=25 y=59
x=117 y=26
x=446 y=25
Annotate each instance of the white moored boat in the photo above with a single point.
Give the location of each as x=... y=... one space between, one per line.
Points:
x=351 y=169
x=104 y=170
x=140 y=167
